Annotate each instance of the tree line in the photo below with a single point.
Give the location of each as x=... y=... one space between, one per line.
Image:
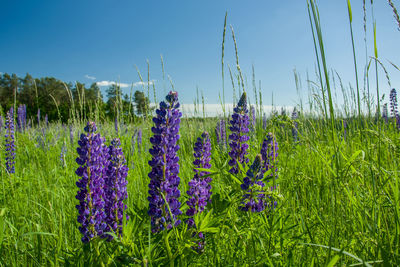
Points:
x=64 y=101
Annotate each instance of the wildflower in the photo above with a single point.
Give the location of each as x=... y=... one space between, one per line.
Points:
x=115 y=188
x=116 y=124
x=252 y=185
x=164 y=180
x=9 y=142
x=255 y=198
x=199 y=186
x=93 y=161
x=269 y=153
x=21 y=119
x=238 y=137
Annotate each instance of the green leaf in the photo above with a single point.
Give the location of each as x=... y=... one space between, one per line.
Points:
x=333 y=261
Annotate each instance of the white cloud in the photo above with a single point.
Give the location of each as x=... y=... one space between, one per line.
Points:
x=87 y=76
x=109 y=83
x=143 y=83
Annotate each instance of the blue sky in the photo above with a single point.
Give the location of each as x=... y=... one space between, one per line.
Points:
x=102 y=41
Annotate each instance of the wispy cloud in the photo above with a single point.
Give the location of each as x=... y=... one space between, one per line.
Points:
x=125 y=85
x=87 y=76
x=143 y=83
x=109 y=83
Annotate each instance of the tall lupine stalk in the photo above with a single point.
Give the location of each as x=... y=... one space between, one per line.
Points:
x=93 y=161
x=139 y=139
x=253 y=187
x=295 y=132
x=21 y=117
x=115 y=188
x=269 y=153
x=238 y=138
x=199 y=187
x=9 y=142
x=255 y=198
x=164 y=206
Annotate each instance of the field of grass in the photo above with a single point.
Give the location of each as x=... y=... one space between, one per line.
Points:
x=338 y=193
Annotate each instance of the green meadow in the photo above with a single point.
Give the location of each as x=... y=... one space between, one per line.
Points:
x=337 y=185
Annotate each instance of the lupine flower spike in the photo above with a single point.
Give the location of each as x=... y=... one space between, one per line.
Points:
x=269 y=153
x=93 y=161
x=238 y=138
x=9 y=142
x=253 y=187
x=199 y=187
x=115 y=188
x=164 y=207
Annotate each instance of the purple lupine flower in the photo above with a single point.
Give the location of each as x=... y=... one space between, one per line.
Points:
x=139 y=139
x=269 y=153
x=38 y=116
x=199 y=187
x=93 y=161
x=253 y=187
x=264 y=121
x=115 y=188
x=393 y=103
x=21 y=117
x=385 y=115
x=295 y=116
x=253 y=117
x=238 y=138
x=9 y=142
x=164 y=206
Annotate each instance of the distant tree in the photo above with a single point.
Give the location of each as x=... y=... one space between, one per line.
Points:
x=142 y=103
